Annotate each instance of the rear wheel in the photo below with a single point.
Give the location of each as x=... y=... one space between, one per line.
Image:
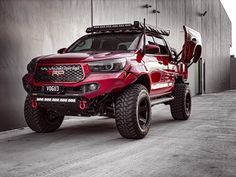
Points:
x=133 y=112
x=181 y=105
x=41 y=120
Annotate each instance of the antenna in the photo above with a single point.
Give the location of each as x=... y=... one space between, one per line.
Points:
x=144 y=36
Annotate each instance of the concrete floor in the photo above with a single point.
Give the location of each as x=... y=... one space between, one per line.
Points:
x=203 y=146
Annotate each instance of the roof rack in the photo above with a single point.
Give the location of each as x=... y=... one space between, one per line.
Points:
x=128 y=27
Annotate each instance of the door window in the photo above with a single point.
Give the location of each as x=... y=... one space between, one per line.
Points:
x=149 y=40
x=160 y=42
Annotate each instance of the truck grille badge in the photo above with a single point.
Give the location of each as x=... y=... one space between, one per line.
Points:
x=59 y=73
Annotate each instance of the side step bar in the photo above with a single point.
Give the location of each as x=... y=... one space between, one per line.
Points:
x=161 y=100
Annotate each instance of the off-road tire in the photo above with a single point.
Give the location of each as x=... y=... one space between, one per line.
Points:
x=132 y=106
x=41 y=120
x=181 y=105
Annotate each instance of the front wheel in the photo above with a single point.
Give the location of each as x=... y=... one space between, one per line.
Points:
x=41 y=120
x=181 y=105
x=133 y=112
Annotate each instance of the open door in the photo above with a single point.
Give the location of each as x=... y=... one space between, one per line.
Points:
x=192 y=48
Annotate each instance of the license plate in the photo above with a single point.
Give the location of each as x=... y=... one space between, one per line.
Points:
x=53 y=89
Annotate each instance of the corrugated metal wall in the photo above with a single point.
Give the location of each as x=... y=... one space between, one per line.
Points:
x=36 y=27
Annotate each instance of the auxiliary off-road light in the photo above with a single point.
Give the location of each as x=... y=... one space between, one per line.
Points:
x=90 y=87
x=93 y=87
x=31 y=66
x=26 y=80
x=27 y=87
x=56 y=100
x=114 y=65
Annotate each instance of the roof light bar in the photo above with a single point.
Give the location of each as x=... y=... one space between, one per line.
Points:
x=128 y=27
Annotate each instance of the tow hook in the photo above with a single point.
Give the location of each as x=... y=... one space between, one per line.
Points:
x=82 y=105
x=34 y=104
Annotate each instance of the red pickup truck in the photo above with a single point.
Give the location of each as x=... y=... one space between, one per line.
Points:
x=119 y=71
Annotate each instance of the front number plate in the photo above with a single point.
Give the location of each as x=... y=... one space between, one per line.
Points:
x=53 y=89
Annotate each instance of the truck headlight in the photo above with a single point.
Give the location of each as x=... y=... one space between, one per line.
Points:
x=113 y=65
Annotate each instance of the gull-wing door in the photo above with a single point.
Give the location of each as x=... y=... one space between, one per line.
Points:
x=192 y=48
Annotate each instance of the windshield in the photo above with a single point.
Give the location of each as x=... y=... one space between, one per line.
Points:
x=106 y=42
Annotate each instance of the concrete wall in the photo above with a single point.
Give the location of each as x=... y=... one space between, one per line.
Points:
x=30 y=28
x=36 y=27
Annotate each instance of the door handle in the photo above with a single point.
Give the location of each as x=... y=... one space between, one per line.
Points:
x=161 y=62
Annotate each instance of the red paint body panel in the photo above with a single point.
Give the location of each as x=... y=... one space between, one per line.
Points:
x=158 y=68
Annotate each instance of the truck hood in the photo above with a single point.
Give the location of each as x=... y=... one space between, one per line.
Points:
x=83 y=57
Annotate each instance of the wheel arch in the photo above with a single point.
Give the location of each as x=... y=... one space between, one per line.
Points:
x=144 y=80
x=179 y=79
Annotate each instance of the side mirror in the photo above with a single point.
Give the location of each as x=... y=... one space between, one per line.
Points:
x=152 y=49
x=61 y=51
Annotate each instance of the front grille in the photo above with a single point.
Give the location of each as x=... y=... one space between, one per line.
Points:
x=59 y=73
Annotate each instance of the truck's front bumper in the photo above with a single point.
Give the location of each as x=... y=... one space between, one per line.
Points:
x=106 y=82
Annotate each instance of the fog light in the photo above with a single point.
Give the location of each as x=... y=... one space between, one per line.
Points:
x=93 y=87
x=27 y=88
